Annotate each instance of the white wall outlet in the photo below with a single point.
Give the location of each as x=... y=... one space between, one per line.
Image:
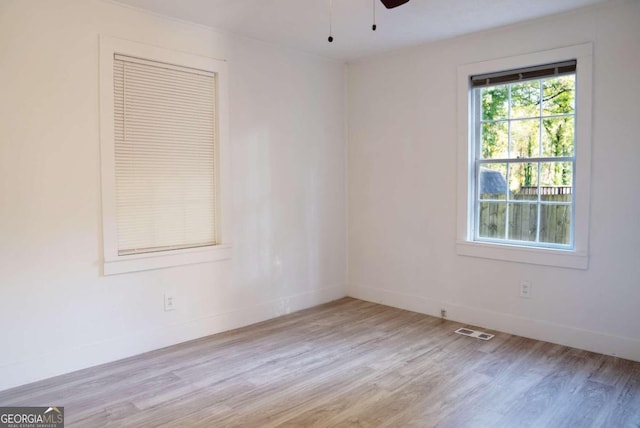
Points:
x=169 y=302
x=525 y=289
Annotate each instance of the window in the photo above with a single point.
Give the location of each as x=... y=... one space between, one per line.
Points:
x=526 y=151
x=524 y=155
x=161 y=178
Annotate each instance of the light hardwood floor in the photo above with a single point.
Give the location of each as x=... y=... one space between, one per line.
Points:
x=349 y=363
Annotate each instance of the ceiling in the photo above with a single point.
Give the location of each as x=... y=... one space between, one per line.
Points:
x=304 y=24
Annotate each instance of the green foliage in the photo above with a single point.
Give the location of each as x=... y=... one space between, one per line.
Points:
x=554 y=118
x=495 y=106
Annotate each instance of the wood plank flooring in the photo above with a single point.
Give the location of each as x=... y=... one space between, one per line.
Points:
x=349 y=363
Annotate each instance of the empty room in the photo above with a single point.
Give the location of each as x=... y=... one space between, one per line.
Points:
x=319 y=213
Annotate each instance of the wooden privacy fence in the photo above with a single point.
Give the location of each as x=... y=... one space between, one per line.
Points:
x=555 y=220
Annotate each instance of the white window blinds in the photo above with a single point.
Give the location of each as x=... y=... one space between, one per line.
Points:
x=165 y=148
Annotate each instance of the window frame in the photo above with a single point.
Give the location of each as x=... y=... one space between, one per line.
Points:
x=466 y=244
x=113 y=263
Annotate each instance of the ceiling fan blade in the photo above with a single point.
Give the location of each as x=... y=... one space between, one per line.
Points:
x=390 y=4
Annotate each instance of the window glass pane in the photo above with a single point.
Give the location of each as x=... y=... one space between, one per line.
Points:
x=525 y=138
x=555 y=224
x=495 y=102
x=559 y=95
x=525 y=99
x=492 y=220
x=556 y=181
x=558 y=136
x=523 y=181
x=523 y=221
x=493 y=182
x=495 y=138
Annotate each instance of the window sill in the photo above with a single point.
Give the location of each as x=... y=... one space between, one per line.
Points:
x=513 y=253
x=141 y=262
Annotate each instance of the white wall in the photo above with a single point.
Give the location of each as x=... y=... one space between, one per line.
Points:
x=288 y=153
x=402 y=189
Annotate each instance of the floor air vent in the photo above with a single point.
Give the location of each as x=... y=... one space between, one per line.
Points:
x=475 y=333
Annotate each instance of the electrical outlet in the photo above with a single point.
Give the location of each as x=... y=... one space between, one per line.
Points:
x=443 y=313
x=525 y=289
x=169 y=302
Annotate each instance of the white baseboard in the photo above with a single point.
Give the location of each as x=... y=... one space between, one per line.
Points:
x=623 y=347
x=65 y=361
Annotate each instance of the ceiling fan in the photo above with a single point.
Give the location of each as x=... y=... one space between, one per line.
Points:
x=389 y=4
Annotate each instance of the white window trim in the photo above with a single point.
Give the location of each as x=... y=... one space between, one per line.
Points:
x=114 y=263
x=576 y=258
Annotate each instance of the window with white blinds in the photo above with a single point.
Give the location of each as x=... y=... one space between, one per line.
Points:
x=165 y=156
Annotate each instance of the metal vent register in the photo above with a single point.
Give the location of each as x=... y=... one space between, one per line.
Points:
x=475 y=333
